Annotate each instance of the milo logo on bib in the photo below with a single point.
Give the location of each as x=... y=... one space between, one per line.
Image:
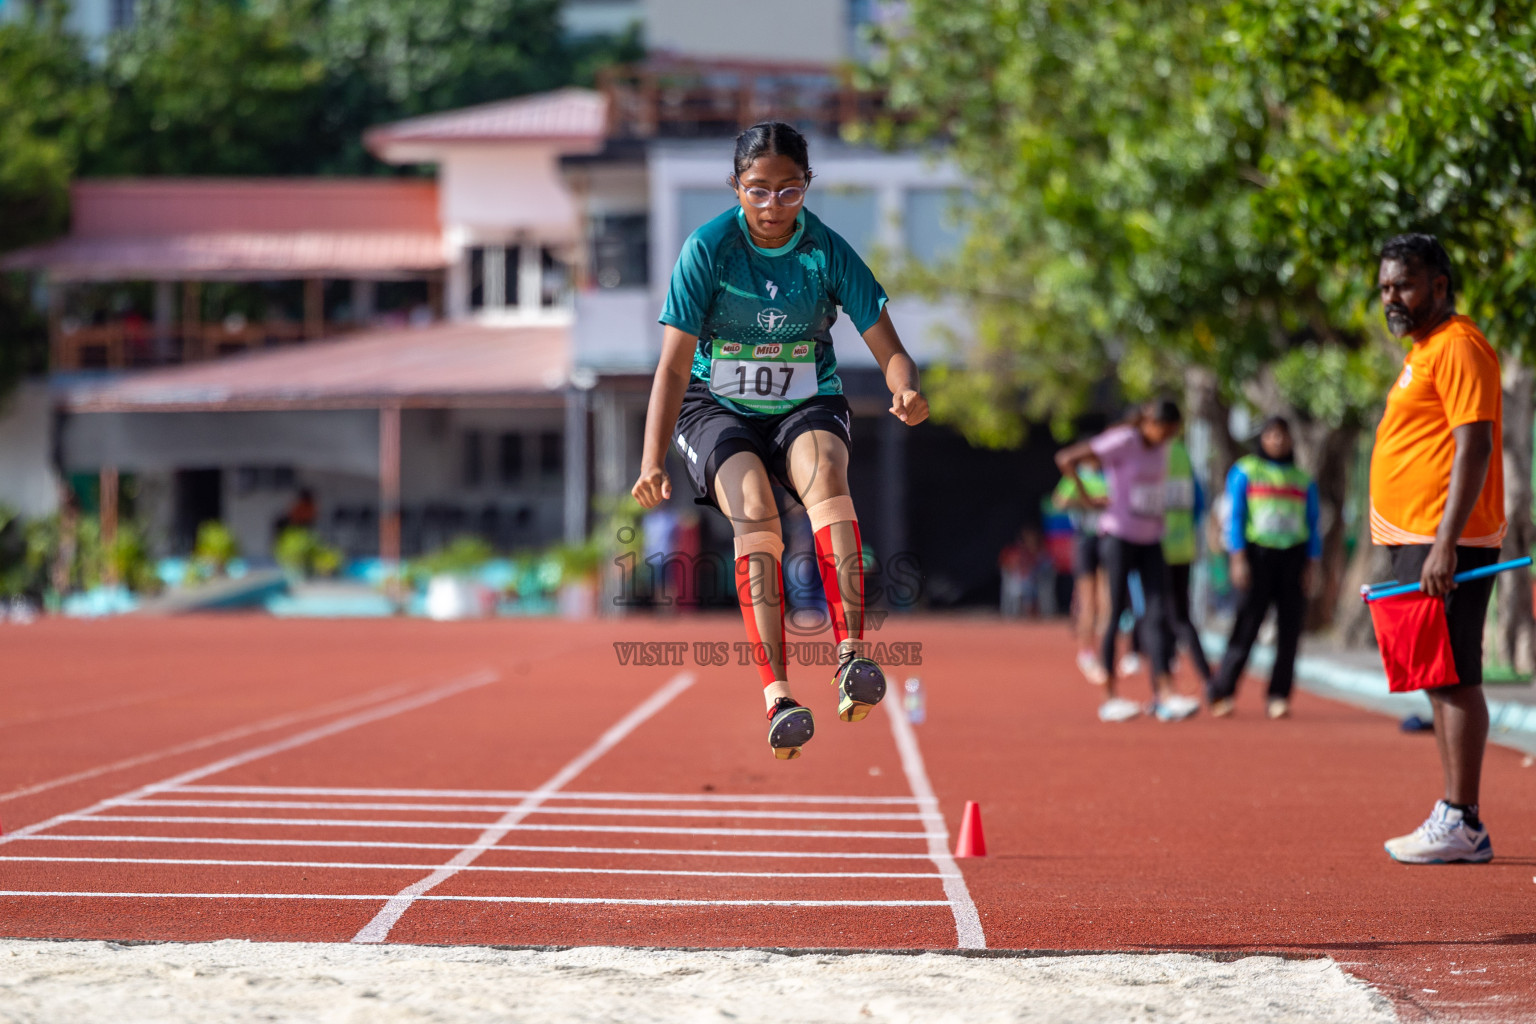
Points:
x=769 y=378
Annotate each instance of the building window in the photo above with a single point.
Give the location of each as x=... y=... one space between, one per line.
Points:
x=852 y=212
x=509 y=461
x=621 y=250
x=930 y=223
x=493 y=277
x=551 y=453
x=474 y=458
x=554 y=280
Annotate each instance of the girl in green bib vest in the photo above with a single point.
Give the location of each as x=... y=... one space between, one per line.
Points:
x=1274 y=543
x=747 y=394
x=1182 y=510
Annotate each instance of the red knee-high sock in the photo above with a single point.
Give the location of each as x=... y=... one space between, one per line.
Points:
x=840 y=554
x=760 y=592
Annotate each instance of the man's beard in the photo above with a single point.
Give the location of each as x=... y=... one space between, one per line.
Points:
x=1401 y=320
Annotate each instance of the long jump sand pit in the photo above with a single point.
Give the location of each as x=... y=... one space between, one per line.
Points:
x=321 y=983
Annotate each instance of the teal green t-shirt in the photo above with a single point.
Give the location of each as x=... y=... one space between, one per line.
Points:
x=764 y=317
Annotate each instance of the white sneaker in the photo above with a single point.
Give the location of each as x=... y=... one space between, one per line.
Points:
x=1118 y=709
x=1445 y=838
x=1088 y=665
x=1175 y=708
x=1130 y=663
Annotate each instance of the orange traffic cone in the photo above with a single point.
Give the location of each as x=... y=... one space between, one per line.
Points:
x=971 y=842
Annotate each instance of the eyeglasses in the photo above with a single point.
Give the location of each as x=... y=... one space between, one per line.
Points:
x=761 y=197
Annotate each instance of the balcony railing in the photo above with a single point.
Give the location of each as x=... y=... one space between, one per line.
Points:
x=135 y=343
x=688 y=99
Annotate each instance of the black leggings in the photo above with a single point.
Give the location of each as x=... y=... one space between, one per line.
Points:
x=1120 y=558
x=1274 y=578
x=1178 y=623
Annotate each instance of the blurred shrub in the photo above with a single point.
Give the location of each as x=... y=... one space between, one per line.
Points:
x=29 y=551
x=214 y=549
x=464 y=555
x=301 y=553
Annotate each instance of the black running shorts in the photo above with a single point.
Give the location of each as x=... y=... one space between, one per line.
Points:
x=1466 y=607
x=1085 y=554
x=708 y=433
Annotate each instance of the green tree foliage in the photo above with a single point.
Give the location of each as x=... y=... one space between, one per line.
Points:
x=1113 y=232
x=51 y=110
x=211 y=87
x=392 y=59
x=1415 y=116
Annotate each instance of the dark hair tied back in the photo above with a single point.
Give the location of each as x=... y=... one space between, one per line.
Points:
x=771 y=138
x=1164 y=410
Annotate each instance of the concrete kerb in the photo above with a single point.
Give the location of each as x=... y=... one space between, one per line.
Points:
x=1512 y=722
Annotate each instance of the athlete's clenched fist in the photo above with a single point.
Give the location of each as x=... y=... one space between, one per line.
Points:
x=910 y=407
x=653 y=487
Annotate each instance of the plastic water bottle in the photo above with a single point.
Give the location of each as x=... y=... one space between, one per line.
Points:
x=913 y=702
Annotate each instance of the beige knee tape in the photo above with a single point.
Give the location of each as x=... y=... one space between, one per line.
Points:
x=833 y=510
x=763 y=542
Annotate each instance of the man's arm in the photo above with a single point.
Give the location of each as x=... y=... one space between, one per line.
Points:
x=1068 y=460
x=1469 y=471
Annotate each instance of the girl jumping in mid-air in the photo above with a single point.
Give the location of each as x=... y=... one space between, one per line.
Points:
x=748 y=393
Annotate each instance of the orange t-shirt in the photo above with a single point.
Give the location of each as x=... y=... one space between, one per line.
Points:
x=1449 y=379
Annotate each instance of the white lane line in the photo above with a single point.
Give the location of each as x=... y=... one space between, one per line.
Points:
x=653 y=830
x=633 y=851
x=518 y=794
x=372 y=714
x=377 y=930
x=292 y=718
x=637 y=812
x=583 y=900
x=518 y=869
x=968 y=929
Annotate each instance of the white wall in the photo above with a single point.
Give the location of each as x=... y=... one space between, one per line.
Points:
x=497 y=192
x=599 y=17
x=785 y=30
x=27 y=481
x=346 y=441
x=616 y=330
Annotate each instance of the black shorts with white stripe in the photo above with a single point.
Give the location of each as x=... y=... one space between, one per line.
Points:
x=708 y=433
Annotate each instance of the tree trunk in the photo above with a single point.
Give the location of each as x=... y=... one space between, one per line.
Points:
x=1516 y=626
x=1334 y=459
x=1203 y=399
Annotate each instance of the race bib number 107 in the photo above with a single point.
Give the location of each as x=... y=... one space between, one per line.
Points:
x=767 y=377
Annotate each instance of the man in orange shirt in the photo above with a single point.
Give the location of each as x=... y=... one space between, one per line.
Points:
x=1437 y=500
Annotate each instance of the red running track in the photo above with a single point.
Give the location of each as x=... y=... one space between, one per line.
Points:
x=511 y=783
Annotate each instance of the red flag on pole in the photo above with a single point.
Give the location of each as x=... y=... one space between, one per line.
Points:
x=1415 y=642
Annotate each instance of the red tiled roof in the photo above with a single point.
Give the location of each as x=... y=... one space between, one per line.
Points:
x=178 y=227
x=577 y=115
x=245 y=255
x=140 y=207
x=445 y=364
